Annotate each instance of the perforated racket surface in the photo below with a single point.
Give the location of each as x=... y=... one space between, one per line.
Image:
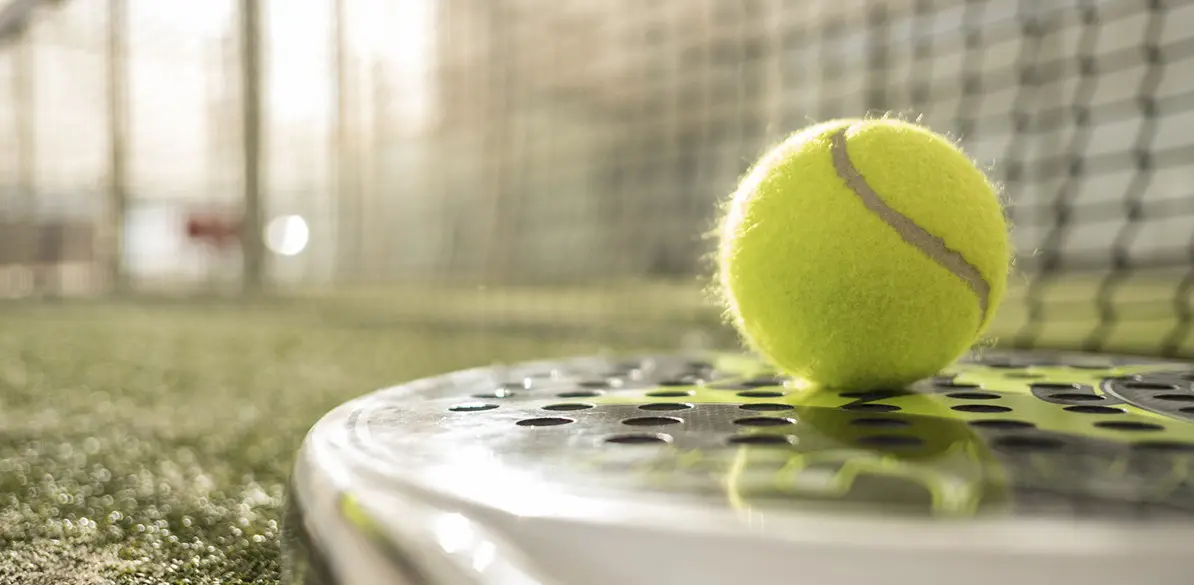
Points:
x=703 y=469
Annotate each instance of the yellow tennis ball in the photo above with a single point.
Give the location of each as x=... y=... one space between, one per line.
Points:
x=863 y=254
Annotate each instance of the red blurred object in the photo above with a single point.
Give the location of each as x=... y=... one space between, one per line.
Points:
x=219 y=231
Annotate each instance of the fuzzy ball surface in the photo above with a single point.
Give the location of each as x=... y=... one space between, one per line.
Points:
x=863 y=254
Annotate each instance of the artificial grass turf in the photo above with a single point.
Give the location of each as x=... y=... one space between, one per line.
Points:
x=151 y=444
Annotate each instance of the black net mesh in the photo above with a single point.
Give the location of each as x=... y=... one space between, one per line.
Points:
x=558 y=163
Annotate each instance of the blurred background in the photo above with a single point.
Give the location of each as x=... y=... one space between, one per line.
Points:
x=483 y=160
x=221 y=218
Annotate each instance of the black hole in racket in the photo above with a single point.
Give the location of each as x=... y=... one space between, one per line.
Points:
x=1001 y=424
x=544 y=422
x=566 y=406
x=983 y=408
x=764 y=421
x=665 y=406
x=1175 y=397
x=639 y=439
x=1054 y=386
x=651 y=421
x=881 y=423
x=761 y=440
x=954 y=384
x=870 y=407
x=1023 y=443
x=1092 y=409
x=762 y=382
x=670 y=393
x=973 y=395
x=1023 y=376
x=1149 y=386
x=1164 y=446
x=1005 y=365
x=1128 y=425
x=476 y=407
x=760 y=394
x=1091 y=366
x=767 y=406
x=593 y=384
x=579 y=394
x=890 y=441
x=1186 y=410
x=1075 y=396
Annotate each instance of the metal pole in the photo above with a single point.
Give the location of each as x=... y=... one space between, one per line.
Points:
x=379 y=251
x=347 y=198
x=502 y=57
x=111 y=230
x=252 y=242
x=26 y=212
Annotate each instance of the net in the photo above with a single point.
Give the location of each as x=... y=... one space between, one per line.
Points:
x=559 y=162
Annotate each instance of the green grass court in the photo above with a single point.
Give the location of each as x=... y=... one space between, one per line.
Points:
x=145 y=444
x=149 y=441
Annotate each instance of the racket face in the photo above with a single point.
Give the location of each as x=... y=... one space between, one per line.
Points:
x=1041 y=468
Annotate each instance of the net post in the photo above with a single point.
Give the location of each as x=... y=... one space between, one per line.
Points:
x=252 y=246
x=22 y=95
x=112 y=225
